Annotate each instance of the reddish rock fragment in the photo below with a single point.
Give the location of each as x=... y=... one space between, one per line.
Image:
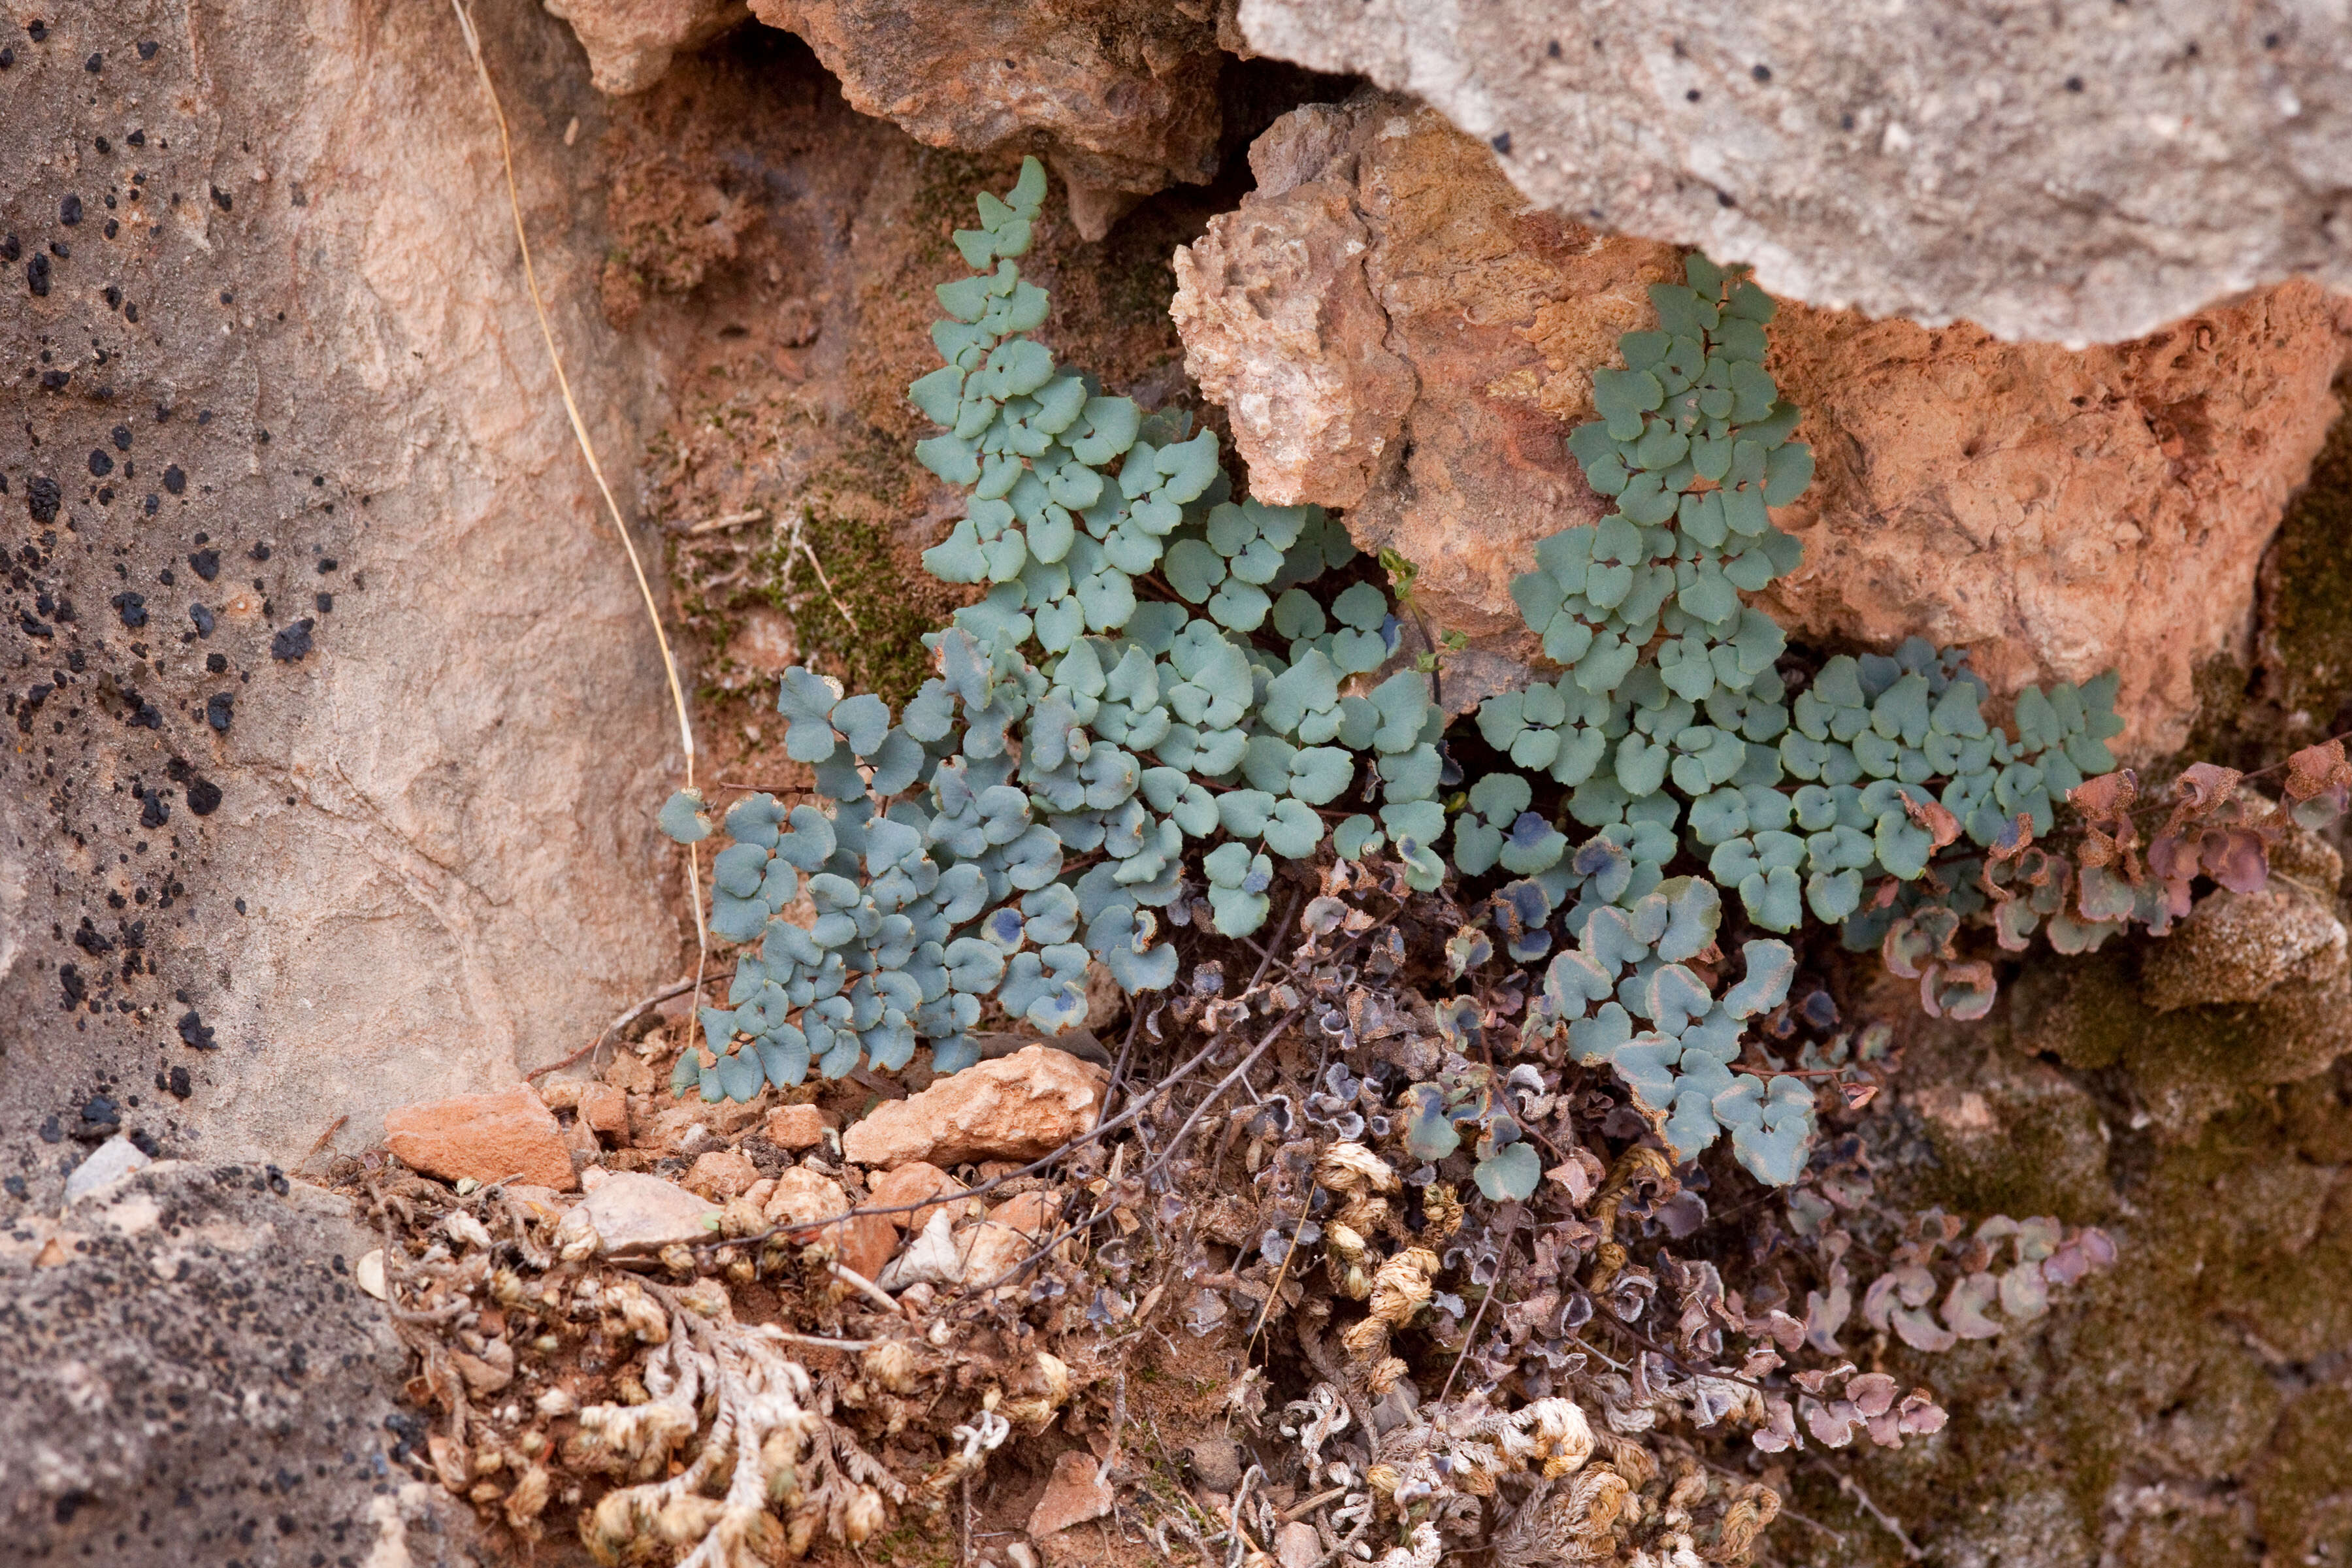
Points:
x=490 y=1137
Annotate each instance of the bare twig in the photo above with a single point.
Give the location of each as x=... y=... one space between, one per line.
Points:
x=1861 y=1498
x=808 y=550
x=1470 y=1336
x=613 y=1028
x=867 y=1288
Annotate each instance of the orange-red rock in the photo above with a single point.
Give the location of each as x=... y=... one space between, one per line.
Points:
x=804 y=1197
x=1121 y=94
x=1032 y=1214
x=795 y=1127
x=908 y=1183
x=1018 y=1108
x=605 y=1108
x=721 y=1174
x=490 y=1137
x=2054 y=512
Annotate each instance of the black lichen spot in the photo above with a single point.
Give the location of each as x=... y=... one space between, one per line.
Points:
x=42 y=497
x=1762 y=73
x=101 y=465
x=50 y=1132
x=54 y=380
x=206 y=620
x=178 y=1085
x=203 y=797
x=75 y=988
x=1692 y=95
x=2073 y=84
x=99 y=1111
x=147 y=47
x=70 y=210
x=196 y=1034
x=205 y=563
x=218 y=663
x=175 y=480
x=95 y=64
x=154 y=810
x=293 y=644
x=1726 y=199
x=325 y=602
x=37 y=30
x=222 y=200
x=121 y=437
x=92 y=940
x=36 y=276
x=218 y=709
x=131 y=607
x=1501 y=143
x=261 y=551
x=11 y=247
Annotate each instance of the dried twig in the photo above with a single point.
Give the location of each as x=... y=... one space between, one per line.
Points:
x=1852 y=1490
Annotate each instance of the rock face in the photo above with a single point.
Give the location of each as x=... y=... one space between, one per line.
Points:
x=1020 y=1108
x=201 y=1340
x=348 y=800
x=489 y=1137
x=2239 y=947
x=1394 y=330
x=630 y=43
x=2047 y=175
x=1121 y=94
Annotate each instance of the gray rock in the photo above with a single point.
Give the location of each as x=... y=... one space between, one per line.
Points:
x=2046 y=174
x=636 y=1216
x=112 y=1160
x=931 y=1258
x=373 y=887
x=193 y=1376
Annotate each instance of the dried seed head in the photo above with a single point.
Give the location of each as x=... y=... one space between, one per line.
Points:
x=529 y=1497
x=705 y=1299
x=891 y=1365
x=863 y=1517
x=465 y=1229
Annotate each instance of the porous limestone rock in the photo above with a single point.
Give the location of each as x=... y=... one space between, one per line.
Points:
x=1021 y=1106
x=1394 y=330
x=489 y=1137
x=2061 y=173
x=630 y=43
x=191 y=1335
x=1121 y=95
x=2238 y=947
